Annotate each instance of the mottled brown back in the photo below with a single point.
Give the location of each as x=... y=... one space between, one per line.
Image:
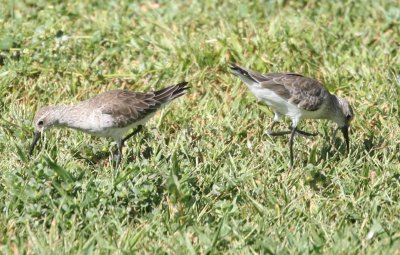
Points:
x=127 y=107
x=305 y=92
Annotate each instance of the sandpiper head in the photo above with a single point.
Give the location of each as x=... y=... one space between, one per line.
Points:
x=347 y=116
x=44 y=118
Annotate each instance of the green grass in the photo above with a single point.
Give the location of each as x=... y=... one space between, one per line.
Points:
x=204 y=177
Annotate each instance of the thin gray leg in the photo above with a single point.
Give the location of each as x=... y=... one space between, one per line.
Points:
x=291 y=145
x=270 y=130
x=120 y=144
x=287 y=132
x=118 y=155
x=138 y=129
x=276 y=119
x=271 y=127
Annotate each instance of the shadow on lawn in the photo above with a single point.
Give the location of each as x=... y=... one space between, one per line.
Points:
x=99 y=156
x=130 y=193
x=371 y=144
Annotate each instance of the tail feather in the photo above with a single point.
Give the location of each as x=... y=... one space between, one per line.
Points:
x=248 y=76
x=170 y=93
x=242 y=72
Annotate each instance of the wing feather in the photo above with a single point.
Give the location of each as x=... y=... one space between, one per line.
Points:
x=307 y=93
x=127 y=107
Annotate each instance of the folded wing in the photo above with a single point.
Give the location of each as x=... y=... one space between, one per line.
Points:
x=307 y=93
x=127 y=107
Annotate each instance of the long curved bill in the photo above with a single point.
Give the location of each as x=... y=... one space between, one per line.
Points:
x=36 y=137
x=345 y=131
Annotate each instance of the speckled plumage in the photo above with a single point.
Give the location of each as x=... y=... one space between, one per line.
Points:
x=297 y=97
x=110 y=114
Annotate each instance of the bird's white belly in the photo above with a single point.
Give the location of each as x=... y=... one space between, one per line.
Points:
x=284 y=107
x=118 y=133
x=276 y=102
x=99 y=124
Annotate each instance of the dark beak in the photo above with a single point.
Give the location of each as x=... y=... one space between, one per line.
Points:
x=36 y=137
x=345 y=131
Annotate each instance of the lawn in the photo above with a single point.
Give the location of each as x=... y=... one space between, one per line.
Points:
x=204 y=177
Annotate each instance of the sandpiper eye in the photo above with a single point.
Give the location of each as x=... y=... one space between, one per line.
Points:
x=40 y=123
x=348 y=117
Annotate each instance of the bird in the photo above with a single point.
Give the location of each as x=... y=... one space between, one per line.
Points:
x=298 y=97
x=109 y=114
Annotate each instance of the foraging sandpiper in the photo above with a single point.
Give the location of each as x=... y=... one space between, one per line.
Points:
x=297 y=97
x=110 y=114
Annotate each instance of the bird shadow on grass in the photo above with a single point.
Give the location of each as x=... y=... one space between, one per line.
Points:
x=99 y=156
x=335 y=150
x=148 y=190
x=92 y=159
x=372 y=144
x=319 y=181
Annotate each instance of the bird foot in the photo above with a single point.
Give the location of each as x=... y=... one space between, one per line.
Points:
x=298 y=132
x=304 y=133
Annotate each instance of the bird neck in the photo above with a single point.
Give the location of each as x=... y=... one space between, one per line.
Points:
x=335 y=114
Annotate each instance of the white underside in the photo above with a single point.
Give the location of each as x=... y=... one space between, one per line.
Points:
x=282 y=107
x=118 y=133
x=99 y=124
